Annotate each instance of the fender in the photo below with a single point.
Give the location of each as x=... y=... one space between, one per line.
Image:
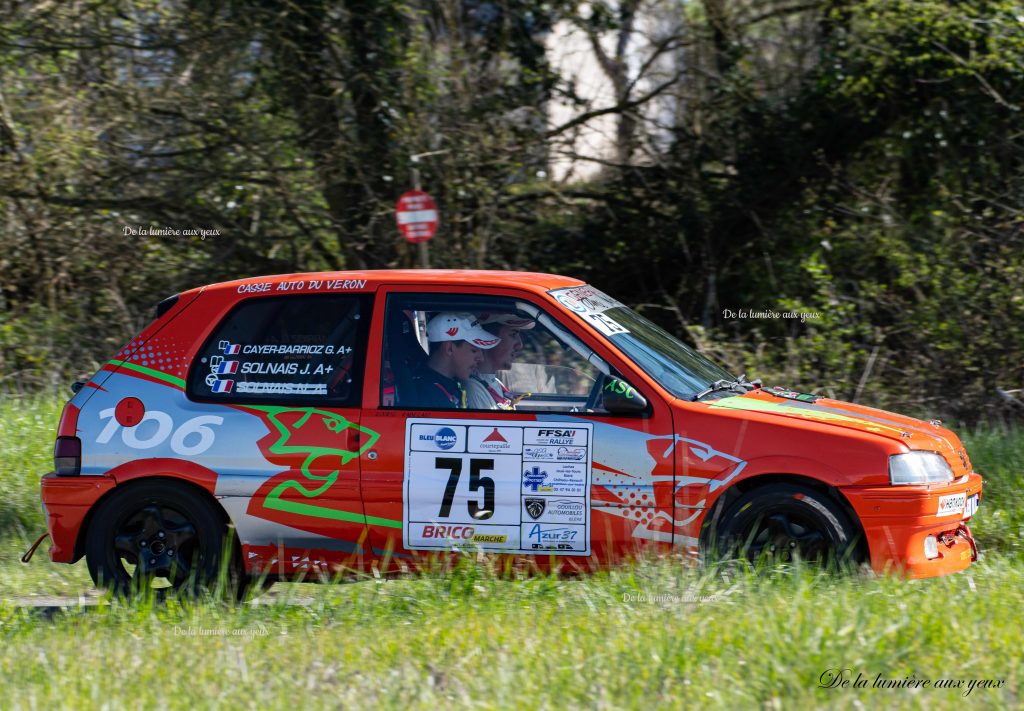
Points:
x=181 y=469
x=778 y=465
x=783 y=465
x=800 y=466
x=166 y=467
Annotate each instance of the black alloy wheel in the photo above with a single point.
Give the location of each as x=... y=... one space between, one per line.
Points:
x=785 y=523
x=158 y=535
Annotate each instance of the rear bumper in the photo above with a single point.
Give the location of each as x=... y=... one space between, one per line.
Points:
x=66 y=502
x=897 y=520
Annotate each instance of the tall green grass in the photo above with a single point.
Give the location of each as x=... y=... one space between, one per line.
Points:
x=653 y=635
x=997 y=453
x=28 y=427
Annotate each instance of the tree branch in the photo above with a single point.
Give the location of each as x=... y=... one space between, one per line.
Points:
x=620 y=107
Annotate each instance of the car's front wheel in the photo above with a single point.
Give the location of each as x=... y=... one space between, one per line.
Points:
x=786 y=522
x=158 y=535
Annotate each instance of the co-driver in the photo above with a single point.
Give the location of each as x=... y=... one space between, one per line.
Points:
x=486 y=391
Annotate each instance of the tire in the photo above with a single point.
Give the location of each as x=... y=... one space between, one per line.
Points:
x=161 y=536
x=786 y=522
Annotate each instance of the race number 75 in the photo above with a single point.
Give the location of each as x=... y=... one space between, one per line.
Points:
x=476 y=482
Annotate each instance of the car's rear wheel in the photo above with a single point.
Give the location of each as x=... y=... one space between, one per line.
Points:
x=787 y=522
x=159 y=535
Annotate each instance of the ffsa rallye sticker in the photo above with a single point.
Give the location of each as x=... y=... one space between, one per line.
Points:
x=508 y=487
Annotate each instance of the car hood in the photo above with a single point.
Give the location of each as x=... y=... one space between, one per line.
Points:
x=914 y=433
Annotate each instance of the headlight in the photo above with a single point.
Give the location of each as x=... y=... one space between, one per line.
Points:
x=919 y=468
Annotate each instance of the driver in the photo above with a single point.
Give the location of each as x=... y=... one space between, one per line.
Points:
x=486 y=391
x=456 y=343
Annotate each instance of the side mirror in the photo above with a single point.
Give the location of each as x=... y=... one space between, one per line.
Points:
x=621 y=398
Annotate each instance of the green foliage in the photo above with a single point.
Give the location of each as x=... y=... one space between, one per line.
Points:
x=861 y=160
x=881 y=190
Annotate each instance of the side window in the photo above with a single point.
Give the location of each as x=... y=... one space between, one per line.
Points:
x=483 y=353
x=289 y=349
x=554 y=375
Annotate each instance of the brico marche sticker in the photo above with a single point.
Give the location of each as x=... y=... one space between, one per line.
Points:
x=508 y=487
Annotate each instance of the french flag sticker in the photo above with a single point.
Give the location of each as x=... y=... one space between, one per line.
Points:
x=223 y=386
x=228 y=348
x=228 y=367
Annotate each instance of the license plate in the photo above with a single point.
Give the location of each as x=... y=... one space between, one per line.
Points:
x=951 y=505
x=971 y=507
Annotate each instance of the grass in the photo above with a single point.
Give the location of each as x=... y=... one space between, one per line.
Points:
x=655 y=634
x=997 y=453
x=28 y=427
x=652 y=634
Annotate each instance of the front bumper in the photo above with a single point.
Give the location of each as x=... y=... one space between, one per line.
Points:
x=898 y=519
x=66 y=502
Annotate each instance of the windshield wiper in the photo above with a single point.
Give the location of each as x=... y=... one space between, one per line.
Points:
x=739 y=383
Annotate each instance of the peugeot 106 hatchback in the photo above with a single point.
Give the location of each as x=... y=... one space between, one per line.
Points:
x=311 y=423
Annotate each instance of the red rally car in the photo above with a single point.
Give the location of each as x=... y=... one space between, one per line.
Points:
x=308 y=423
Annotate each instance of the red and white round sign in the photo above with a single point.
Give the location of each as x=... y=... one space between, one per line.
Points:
x=416 y=215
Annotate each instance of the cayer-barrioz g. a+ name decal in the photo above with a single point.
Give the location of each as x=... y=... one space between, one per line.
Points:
x=243 y=367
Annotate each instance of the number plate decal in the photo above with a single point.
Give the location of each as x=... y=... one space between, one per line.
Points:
x=503 y=486
x=951 y=505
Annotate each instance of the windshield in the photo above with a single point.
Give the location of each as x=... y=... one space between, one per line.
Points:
x=674 y=365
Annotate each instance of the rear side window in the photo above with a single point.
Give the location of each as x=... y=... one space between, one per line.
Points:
x=286 y=350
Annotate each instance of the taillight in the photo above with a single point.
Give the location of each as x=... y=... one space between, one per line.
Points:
x=67 y=456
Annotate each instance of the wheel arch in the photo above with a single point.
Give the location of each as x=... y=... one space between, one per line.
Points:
x=748 y=484
x=186 y=482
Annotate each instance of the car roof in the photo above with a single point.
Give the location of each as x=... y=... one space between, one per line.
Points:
x=534 y=281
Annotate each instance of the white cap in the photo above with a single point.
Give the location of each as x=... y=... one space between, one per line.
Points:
x=510 y=320
x=460 y=327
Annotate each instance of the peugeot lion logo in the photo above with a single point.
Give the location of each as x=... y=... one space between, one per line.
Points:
x=535 y=507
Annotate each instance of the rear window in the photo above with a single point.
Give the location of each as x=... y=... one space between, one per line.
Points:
x=291 y=349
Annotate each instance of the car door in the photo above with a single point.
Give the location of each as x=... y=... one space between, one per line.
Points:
x=287 y=371
x=556 y=476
